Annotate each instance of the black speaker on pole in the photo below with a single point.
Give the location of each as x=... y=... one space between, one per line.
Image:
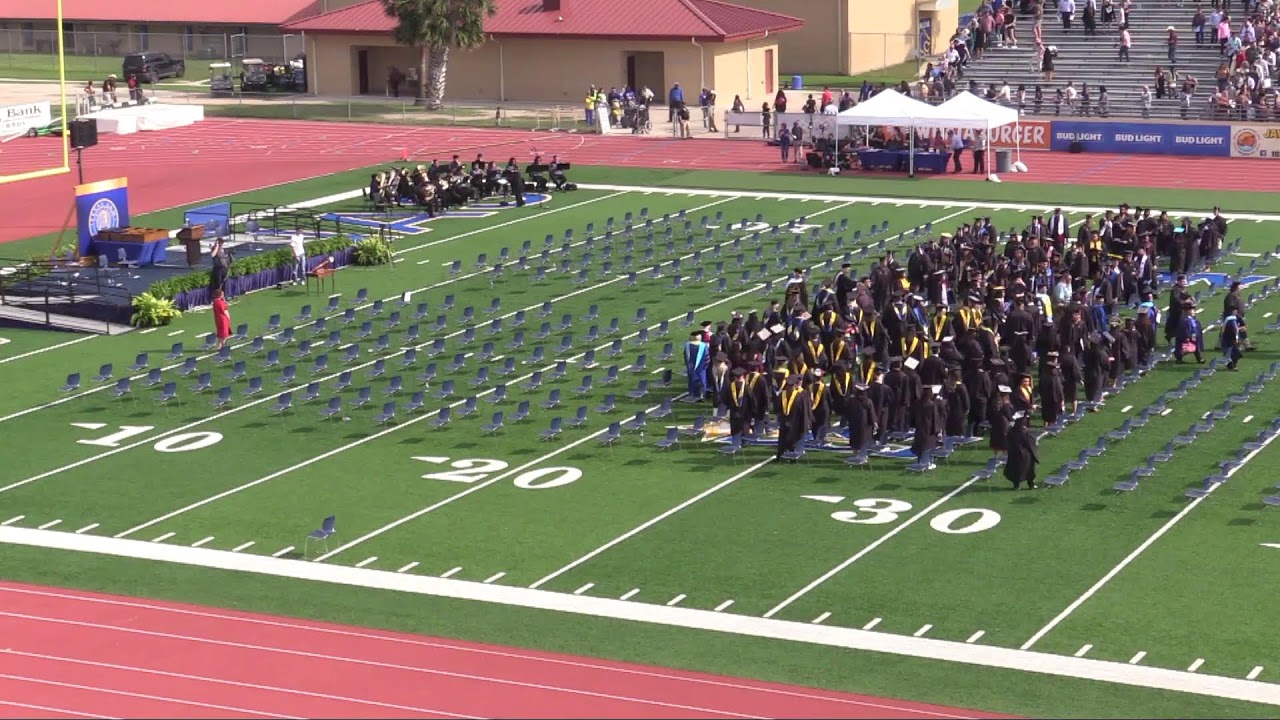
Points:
x=84 y=132
x=1076 y=147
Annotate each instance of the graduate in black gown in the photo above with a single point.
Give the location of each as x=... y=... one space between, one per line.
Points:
x=1000 y=418
x=981 y=390
x=958 y=403
x=795 y=416
x=819 y=406
x=1021 y=465
x=736 y=396
x=927 y=421
x=860 y=414
x=1051 y=392
x=882 y=398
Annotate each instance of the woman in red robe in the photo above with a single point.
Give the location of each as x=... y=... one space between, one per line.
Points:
x=221 y=318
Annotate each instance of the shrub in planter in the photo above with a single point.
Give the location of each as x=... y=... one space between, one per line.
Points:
x=151 y=311
x=372 y=251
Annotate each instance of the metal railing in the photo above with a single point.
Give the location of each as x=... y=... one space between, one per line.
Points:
x=54 y=287
x=34 y=53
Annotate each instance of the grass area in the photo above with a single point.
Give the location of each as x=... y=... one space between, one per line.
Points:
x=383 y=111
x=79 y=68
x=512 y=503
x=891 y=75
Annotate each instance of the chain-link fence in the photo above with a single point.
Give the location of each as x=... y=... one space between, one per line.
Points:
x=89 y=54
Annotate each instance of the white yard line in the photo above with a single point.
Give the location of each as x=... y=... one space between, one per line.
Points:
x=86 y=528
x=875 y=200
x=282 y=551
x=203 y=541
x=367 y=561
x=584 y=588
x=1084 y=650
x=1195 y=665
x=494 y=578
x=38 y=351
x=49 y=524
x=245 y=546
x=872 y=546
x=164 y=537
x=1146 y=544
x=1138 y=657
x=874 y=622
x=676 y=600
x=651 y=522
x=723 y=606
x=408 y=567
x=11 y=520
x=630 y=594
x=450 y=573
x=820 y=619
x=1254 y=673
x=976 y=636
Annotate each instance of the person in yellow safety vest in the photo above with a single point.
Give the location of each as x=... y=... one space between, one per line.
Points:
x=589 y=104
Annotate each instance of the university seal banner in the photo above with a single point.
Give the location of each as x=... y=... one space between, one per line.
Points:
x=102 y=205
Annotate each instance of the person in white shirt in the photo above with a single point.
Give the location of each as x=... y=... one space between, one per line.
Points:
x=297 y=245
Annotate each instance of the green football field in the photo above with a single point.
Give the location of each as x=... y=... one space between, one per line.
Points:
x=1119 y=599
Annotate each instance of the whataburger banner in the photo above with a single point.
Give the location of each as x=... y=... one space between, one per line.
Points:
x=1255 y=141
x=15 y=119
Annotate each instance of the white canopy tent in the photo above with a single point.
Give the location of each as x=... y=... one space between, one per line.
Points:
x=890 y=107
x=970 y=112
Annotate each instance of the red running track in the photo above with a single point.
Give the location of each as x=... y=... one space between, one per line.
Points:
x=226 y=156
x=71 y=654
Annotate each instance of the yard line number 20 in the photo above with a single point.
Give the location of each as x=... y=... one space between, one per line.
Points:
x=474 y=470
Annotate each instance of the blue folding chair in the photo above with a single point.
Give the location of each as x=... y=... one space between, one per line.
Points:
x=328 y=529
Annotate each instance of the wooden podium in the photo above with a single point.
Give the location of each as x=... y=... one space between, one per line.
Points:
x=190 y=238
x=320 y=273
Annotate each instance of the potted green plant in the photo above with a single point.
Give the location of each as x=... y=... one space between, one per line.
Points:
x=151 y=311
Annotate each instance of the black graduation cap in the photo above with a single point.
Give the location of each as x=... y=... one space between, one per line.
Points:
x=997 y=362
x=722 y=357
x=739 y=372
x=706 y=323
x=695 y=334
x=793 y=379
x=1024 y=376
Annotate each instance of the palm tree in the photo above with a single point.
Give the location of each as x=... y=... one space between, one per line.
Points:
x=433 y=27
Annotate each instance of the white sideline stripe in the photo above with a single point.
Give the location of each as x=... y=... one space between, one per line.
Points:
x=367 y=561
x=522 y=218
x=1254 y=673
x=86 y=528
x=37 y=351
x=976 y=636
x=12 y=520
x=1247 y=418
x=282 y=551
x=198 y=543
x=144 y=696
x=176 y=333
x=450 y=573
x=820 y=619
x=922 y=631
x=875 y=200
x=495 y=578
x=164 y=537
x=1126 y=408
x=1196 y=665
x=62 y=712
x=629 y=594
x=245 y=546
x=874 y=622
x=377 y=435
x=1166 y=411
x=408 y=567
x=48 y=525
x=584 y=588
x=1137 y=658
x=1159 y=533
x=148 y=331
x=586 y=605
x=724 y=605
x=651 y=522
x=676 y=600
x=1084 y=650
x=872 y=546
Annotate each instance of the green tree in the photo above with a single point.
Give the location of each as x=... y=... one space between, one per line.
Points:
x=434 y=27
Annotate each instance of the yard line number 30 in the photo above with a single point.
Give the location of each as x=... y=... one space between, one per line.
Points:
x=882 y=511
x=474 y=470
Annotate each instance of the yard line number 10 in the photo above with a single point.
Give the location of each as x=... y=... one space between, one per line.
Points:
x=474 y=470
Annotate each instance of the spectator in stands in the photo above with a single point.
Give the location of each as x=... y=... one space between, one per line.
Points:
x=1037 y=99
x=1144 y=96
x=1197 y=25
x=765 y=120
x=1224 y=33
x=1090 y=18
x=797 y=140
x=1171 y=44
x=1067 y=11
x=784 y=141
x=1126 y=41
x=1104 y=102
x=738 y=109
x=1047 y=60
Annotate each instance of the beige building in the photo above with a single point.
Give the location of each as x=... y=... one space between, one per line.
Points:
x=551 y=50
x=848 y=37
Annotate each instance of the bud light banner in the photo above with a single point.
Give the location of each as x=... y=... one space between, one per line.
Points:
x=1142 y=138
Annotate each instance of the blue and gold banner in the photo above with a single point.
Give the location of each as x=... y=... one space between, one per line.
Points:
x=102 y=205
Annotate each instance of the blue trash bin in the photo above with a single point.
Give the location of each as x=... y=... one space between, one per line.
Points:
x=797 y=82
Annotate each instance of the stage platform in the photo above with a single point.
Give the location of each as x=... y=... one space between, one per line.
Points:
x=144 y=118
x=67 y=297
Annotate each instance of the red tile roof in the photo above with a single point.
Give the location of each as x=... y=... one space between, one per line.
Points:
x=711 y=20
x=188 y=12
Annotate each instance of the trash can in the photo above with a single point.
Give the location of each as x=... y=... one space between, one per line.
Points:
x=1004 y=161
x=797 y=82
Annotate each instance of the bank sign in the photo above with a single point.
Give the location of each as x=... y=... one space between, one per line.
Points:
x=1144 y=138
x=17 y=119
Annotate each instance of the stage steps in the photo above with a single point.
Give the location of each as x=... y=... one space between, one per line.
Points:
x=39 y=319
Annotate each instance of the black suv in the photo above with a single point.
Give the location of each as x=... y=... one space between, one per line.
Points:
x=151 y=66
